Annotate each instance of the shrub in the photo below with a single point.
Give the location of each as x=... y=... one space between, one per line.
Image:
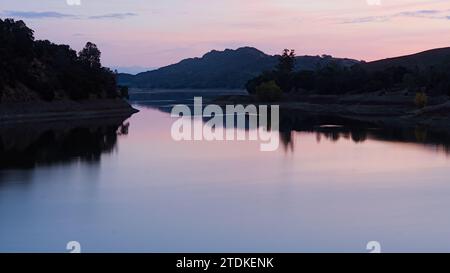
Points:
x=421 y=99
x=269 y=92
x=255 y=82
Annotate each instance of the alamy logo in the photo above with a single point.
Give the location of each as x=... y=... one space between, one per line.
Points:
x=73 y=2
x=73 y=247
x=261 y=125
x=374 y=247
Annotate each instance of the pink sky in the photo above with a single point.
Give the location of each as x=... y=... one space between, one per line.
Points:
x=160 y=32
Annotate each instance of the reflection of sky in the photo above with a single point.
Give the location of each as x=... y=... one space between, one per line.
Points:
x=155 y=33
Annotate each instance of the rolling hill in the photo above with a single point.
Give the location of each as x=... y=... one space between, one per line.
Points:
x=220 y=69
x=420 y=60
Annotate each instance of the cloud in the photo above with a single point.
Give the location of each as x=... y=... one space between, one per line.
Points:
x=36 y=15
x=421 y=13
x=366 y=20
x=428 y=14
x=58 y=15
x=113 y=16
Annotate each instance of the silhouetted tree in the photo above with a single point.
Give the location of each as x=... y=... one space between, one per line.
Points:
x=269 y=92
x=50 y=70
x=90 y=55
x=287 y=61
x=336 y=78
x=264 y=77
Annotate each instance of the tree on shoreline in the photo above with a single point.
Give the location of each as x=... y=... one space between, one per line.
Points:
x=31 y=69
x=90 y=55
x=337 y=79
x=281 y=76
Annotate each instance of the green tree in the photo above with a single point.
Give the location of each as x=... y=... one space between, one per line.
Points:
x=269 y=92
x=253 y=84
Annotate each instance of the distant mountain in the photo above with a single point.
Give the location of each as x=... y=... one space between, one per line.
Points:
x=420 y=60
x=133 y=70
x=220 y=69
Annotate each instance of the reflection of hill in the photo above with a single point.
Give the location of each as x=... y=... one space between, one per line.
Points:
x=28 y=145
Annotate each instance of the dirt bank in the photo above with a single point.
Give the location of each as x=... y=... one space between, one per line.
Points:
x=63 y=110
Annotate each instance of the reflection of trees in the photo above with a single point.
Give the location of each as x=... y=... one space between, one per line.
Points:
x=355 y=131
x=287 y=141
x=336 y=128
x=123 y=129
x=355 y=134
x=332 y=134
x=26 y=146
x=292 y=121
x=359 y=136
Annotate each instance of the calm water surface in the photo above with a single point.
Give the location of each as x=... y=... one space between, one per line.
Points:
x=127 y=186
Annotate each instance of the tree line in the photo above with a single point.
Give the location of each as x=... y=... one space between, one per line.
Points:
x=337 y=79
x=49 y=70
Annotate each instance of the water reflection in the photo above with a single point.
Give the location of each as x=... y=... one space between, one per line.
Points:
x=418 y=135
x=164 y=100
x=228 y=196
x=29 y=145
x=330 y=128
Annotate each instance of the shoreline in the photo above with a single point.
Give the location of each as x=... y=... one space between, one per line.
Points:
x=391 y=111
x=37 y=111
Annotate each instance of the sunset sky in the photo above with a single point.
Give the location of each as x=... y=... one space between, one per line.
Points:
x=154 y=33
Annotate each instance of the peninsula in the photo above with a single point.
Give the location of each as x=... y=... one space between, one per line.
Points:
x=42 y=80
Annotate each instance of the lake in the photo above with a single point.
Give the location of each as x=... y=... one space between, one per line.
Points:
x=126 y=186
